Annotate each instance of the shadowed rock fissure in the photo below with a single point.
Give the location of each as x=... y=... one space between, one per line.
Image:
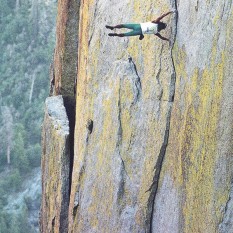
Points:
x=138 y=87
x=227 y=223
x=94 y=22
x=118 y=147
x=69 y=72
x=158 y=167
x=160 y=95
x=89 y=127
x=70 y=110
x=53 y=224
x=138 y=84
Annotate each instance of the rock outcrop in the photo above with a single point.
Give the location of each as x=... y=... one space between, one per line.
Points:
x=55 y=167
x=152 y=141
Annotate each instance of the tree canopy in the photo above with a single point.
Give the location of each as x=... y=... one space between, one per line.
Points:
x=27 y=36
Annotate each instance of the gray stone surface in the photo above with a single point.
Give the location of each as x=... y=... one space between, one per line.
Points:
x=166 y=208
x=56 y=112
x=227 y=222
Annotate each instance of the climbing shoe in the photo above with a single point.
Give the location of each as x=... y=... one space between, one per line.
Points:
x=109 y=27
x=141 y=37
x=112 y=34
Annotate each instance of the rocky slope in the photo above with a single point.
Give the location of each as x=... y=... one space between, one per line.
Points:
x=152 y=142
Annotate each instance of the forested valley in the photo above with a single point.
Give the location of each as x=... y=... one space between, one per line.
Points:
x=27 y=38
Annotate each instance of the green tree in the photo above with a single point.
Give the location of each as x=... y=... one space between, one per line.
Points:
x=13 y=181
x=20 y=159
x=27 y=39
x=14 y=226
x=3 y=225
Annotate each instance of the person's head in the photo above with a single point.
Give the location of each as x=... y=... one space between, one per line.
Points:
x=161 y=26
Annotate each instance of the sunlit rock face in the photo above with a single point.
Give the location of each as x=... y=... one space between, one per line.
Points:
x=153 y=129
x=55 y=167
x=198 y=161
x=126 y=88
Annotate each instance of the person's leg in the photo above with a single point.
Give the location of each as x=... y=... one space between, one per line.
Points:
x=132 y=26
x=113 y=27
x=115 y=34
x=137 y=31
x=132 y=33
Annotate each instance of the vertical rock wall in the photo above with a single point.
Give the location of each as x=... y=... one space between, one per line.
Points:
x=153 y=135
x=58 y=143
x=64 y=65
x=55 y=167
x=65 y=55
x=126 y=89
x=196 y=175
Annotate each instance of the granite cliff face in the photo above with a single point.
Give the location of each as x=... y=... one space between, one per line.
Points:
x=153 y=129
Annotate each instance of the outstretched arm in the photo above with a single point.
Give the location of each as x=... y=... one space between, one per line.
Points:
x=161 y=37
x=161 y=17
